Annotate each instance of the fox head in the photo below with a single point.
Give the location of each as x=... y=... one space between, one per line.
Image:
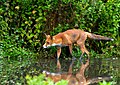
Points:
x=48 y=41
x=52 y=41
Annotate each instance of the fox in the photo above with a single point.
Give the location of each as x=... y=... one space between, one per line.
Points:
x=69 y=37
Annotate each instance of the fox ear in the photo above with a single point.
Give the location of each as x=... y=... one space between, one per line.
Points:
x=49 y=36
x=45 y=35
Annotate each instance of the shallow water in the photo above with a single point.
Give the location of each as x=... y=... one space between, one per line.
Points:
x=97 y=67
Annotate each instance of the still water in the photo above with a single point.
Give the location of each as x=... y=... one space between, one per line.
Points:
x=98 y=67
x=13 y=73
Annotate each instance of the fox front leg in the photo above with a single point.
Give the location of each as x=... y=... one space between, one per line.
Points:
x=58 y=52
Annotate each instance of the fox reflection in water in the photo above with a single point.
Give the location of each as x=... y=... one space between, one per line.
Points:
x=78 y=78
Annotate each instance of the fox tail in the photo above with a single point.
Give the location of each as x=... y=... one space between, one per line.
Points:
x=97 y=37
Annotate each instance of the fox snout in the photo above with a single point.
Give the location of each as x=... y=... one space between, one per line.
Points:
x=46 y=46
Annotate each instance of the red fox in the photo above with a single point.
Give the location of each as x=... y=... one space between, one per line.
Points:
x=69 y=37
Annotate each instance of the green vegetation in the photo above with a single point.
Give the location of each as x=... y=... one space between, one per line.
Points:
x=22 y=23
x=40 y=80
x=105 y=83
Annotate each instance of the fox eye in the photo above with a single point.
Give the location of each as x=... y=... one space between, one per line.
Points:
x=48 y=43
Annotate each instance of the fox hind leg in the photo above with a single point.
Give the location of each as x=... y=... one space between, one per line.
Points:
x=84 y=50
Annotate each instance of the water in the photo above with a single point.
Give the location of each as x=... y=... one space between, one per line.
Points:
x=98 y=67
x=12 y=72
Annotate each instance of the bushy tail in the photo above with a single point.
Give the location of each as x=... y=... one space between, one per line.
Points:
x=98 y=37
